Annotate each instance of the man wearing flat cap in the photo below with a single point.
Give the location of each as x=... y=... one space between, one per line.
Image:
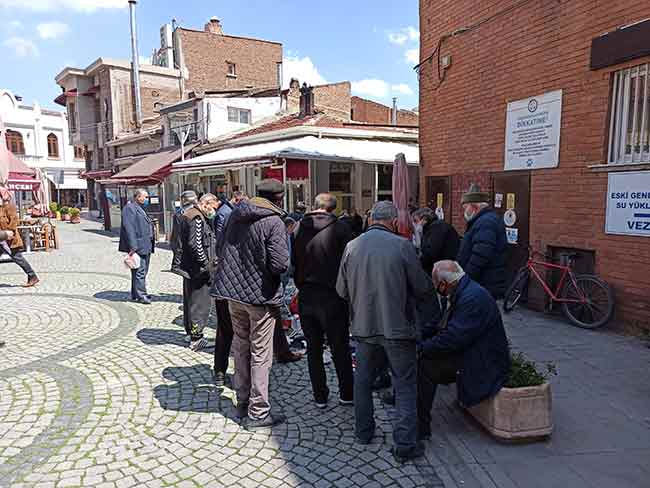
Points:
x=483 y=250
x=253 y=256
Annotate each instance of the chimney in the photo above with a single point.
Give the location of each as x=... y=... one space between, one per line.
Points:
x=393 y=113
x=306 y=101
x=135 y=61
x=214 y=26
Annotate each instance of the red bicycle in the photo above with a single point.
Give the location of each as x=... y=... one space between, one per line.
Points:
x=587 y=301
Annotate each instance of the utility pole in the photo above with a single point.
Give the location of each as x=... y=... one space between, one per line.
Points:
x=135 y=61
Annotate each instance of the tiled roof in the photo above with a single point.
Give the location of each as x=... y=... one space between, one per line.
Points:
x=293 y=120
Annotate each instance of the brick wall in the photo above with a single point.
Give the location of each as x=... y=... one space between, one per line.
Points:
x=206 y=55
x=540 y=47
x=333 y=99
x=376 y=113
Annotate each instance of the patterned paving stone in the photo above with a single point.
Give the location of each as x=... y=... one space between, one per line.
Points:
x=97 y=391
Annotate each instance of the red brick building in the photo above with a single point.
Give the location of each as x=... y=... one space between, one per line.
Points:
x=364 y=110
x=477 y=59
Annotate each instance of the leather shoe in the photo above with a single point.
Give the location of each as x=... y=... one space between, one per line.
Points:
x=33 y=281
x=290 y=357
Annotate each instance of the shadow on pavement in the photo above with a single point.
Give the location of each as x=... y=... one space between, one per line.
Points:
x=193 y=390
x=125 y=296
x=100 y=232
x=161 y=337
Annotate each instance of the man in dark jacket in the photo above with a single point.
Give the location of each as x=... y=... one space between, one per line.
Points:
x=483 y=251
x=439 y=240
x=188 y=200
x=317 y=251
x=136 y=237
x=253 y=257
x=469 y=340
x=197 y=261
x=381 y=279
x=223 y=340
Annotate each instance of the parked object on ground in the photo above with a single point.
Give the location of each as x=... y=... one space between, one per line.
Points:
x=65 y=214
x=522 y=410
x=587 y=301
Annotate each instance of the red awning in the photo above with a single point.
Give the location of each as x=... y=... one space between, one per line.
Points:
x=96 y=174
x=91 y=91
x=153 y=167
x=297 y=169
x=22 y=182
x=61 y=99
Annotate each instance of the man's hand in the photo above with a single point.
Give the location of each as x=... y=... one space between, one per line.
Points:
x=10 y=234
x=131 y=253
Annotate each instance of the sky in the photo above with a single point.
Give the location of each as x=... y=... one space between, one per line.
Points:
x=372 y=43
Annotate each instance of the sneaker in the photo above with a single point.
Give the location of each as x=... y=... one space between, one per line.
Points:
x=268 y=421
x=401 y=456
x=321 y=405
x=33 y=281
x=187 y=338
x=346 y=403
x=198 y=344
x=143 y=301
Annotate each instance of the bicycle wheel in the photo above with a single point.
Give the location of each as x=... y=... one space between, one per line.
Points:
x=597 y=308
x=516 y=289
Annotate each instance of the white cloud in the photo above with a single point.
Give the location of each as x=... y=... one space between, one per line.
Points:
x=412 y=56
x=402 y=89
x=401 y=36
x=14 y=25
x=23 y=48
x=301 y=68
x=74 y=5
x=372 y=87
x=52 y=30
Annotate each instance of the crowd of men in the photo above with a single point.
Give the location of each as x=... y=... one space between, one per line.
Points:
x=419 y=311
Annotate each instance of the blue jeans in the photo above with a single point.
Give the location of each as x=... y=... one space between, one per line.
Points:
x=139 y=278
x=403 y=365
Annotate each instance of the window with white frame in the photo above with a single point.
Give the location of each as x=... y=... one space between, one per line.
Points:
x=629 y=127
x=239 y=115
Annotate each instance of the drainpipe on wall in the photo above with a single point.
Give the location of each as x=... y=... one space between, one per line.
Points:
x=393 y=114
x=135 y=61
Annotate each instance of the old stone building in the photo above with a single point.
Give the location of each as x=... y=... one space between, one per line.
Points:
x=371 y=112
x=545 y=104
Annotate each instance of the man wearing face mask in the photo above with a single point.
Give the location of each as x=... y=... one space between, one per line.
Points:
x=483 y=249
x=381 y=279
x=468 y=347
x=197 y=260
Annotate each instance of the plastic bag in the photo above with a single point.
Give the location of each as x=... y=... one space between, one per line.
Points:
x=132 y=261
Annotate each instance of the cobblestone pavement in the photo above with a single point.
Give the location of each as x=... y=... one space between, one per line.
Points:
x=96 y=391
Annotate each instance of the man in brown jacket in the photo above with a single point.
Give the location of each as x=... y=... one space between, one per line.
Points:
x=13 y=246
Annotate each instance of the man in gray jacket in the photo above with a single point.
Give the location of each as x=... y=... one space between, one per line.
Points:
x=381 y=278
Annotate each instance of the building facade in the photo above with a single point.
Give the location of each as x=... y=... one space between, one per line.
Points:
x=371 y=112
x=546 y=118
x=39 y=137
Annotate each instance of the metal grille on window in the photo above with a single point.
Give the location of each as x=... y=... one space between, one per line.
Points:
x=629 y=128
x=233 y=114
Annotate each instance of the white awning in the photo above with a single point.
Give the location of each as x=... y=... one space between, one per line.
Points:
x=308 y=147
x=71 y=180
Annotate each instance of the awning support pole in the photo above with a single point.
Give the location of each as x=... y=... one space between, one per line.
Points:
x=284 y=184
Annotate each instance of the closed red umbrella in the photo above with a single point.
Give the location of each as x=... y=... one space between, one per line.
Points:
x=4 y=161
x=401 y=195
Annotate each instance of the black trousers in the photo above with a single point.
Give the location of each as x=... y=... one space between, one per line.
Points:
x=199 y=304
x=224 y=337
x=186 y=306
x=324 y=314
x=19 y=259
x=436 y=370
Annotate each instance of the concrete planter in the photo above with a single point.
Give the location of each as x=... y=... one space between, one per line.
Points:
x=517 y=414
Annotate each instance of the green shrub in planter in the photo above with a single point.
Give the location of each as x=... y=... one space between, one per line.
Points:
x=54 y=207
x=524 y=372
x=65 y=210
x=74 y=213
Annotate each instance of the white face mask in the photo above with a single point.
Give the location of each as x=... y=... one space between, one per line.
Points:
x=468 y=214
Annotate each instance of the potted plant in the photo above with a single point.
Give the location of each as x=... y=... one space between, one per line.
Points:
x=521 y=411
x=74 y=216
x=65 y=214
x=54 y=210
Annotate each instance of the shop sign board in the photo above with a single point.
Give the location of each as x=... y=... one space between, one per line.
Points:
x=628 y=204
x=533 y=132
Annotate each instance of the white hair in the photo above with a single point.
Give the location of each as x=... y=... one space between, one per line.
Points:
x=447 y=271
x=383 y=211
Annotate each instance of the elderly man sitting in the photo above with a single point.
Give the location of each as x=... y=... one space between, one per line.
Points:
x=469 y=345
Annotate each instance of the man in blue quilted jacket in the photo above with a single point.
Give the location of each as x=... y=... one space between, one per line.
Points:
x=253 y=257
x=483 y=250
